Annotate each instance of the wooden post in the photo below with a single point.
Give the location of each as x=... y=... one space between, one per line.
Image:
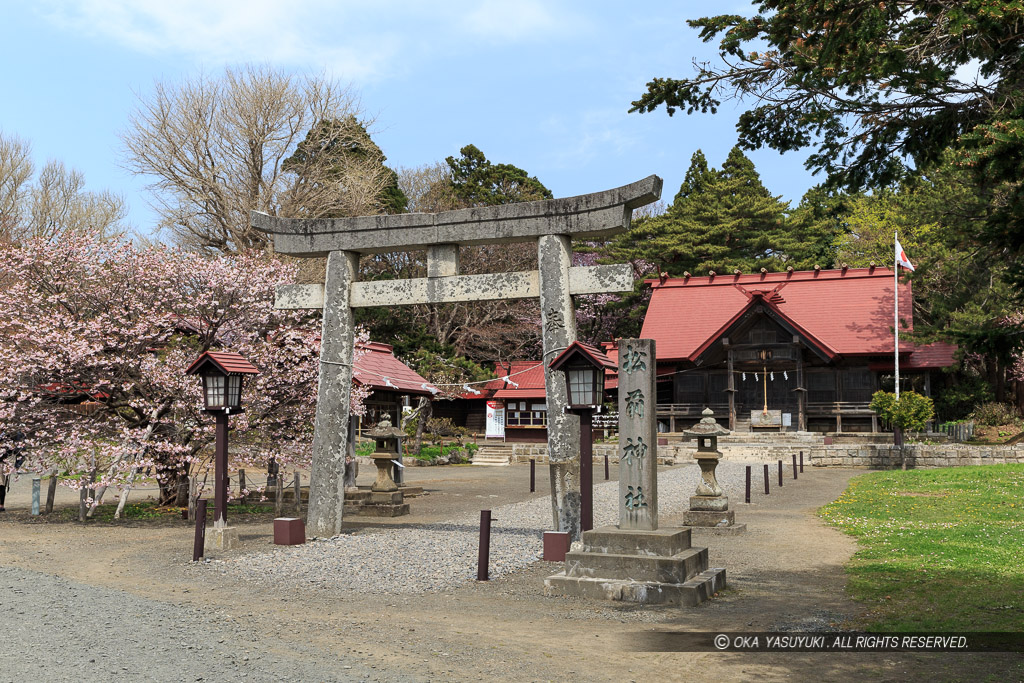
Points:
x=484 y=552
x=586 y=470
x=780 y=473
x=220 y=471
x=193 y=484
x=200 y=538
x=748 y=484
x=298 y=494
x=83 y=494
x=279 y=496
x=51 y=491
x=241 y=486
x=794 y=465
x=766 y=492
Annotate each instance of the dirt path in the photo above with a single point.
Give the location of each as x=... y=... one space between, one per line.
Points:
x=785 y=573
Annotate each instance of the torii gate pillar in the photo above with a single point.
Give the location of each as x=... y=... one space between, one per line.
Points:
x=558 y=331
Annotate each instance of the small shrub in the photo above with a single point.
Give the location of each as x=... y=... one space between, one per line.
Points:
x=995 y=414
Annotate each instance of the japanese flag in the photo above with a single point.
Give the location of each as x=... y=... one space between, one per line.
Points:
x=901 y=257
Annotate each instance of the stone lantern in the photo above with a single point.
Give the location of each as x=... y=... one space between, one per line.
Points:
x=385 y=454
x=385 y=498
x=710 y=506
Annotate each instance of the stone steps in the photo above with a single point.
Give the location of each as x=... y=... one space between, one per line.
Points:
x=493 y=456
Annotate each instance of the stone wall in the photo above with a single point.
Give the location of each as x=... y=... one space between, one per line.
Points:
x=886 y=456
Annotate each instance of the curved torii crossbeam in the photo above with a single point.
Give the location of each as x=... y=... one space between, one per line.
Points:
x=552 y=222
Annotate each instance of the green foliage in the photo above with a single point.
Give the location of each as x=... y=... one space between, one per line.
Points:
x=927 y=539
x=959 y=398
x=910 y=412
x=722 y=220
x=876 y=90
x=995 y=414
x=439 y=428
x=478 y=182
x=342 y=143
x=459 y=451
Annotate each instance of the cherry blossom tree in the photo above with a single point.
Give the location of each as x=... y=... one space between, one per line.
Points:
x=95 y=337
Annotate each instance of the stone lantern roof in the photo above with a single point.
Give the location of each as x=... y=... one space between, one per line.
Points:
x=707 y=426
x=384 y=430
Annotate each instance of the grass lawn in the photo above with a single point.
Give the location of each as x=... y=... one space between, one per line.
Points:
x=940 y=550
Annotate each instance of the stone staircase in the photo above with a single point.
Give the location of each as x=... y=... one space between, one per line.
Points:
x=493 y=455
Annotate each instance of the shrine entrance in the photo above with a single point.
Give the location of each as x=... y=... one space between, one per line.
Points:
x=552 y=224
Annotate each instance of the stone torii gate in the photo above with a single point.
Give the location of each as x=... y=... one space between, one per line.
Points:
x=552 y=223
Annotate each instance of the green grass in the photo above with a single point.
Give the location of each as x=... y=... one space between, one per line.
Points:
x=940 y=550
x=149 y=510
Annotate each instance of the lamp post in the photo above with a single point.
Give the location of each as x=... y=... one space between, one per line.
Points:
x=584 y=367
x=222 y=373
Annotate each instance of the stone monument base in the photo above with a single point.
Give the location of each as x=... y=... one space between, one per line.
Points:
x=366 y=503
x=648 y=567
x=712 y=513
x=221 y=538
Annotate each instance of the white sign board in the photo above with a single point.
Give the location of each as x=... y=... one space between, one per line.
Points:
x=495 y=428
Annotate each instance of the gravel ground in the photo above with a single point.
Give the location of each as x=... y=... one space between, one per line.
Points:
x=434 y=557
x=60 y=630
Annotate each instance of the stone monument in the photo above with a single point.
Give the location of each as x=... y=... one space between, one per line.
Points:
x=710 y=506
x=636 y=561
x=551 y=224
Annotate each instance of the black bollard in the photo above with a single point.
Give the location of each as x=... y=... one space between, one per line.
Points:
x=748 y=484
x=200 y=542
x=794 y=465
x=766 y=479
x=484 y=556
x=606 y=467
x=780 y=473
x=533 y=475
x=801 y=462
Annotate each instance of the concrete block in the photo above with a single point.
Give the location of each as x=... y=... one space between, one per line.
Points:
x=556 y=545
x=221 y=538
x=289 y=531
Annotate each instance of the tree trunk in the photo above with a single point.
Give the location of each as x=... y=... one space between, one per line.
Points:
x=124 y=495
x=426 y=409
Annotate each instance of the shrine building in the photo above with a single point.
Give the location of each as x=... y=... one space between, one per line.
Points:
x=797 y=350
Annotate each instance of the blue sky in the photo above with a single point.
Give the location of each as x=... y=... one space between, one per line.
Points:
x=542 y=85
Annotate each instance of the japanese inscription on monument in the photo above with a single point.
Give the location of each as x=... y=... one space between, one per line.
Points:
x=638 y=436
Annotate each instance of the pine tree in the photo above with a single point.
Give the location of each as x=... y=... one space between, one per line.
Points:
x=719 y=220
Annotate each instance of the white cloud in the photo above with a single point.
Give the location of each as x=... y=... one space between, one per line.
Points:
x=354 y=41
x=591 y=135
x=510 y=21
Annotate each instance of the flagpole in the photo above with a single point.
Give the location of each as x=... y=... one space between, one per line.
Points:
x=896 y=310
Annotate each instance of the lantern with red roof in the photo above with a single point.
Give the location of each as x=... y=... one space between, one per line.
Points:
x=222 y=373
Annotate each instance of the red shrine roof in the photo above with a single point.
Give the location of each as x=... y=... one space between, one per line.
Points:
x=847 y=312
x=377 y=367
x=528 y=374
x=228 y=362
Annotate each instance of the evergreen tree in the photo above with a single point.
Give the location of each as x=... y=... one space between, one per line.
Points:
x=478 y=182
x=719 y=220
x=345 y=145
